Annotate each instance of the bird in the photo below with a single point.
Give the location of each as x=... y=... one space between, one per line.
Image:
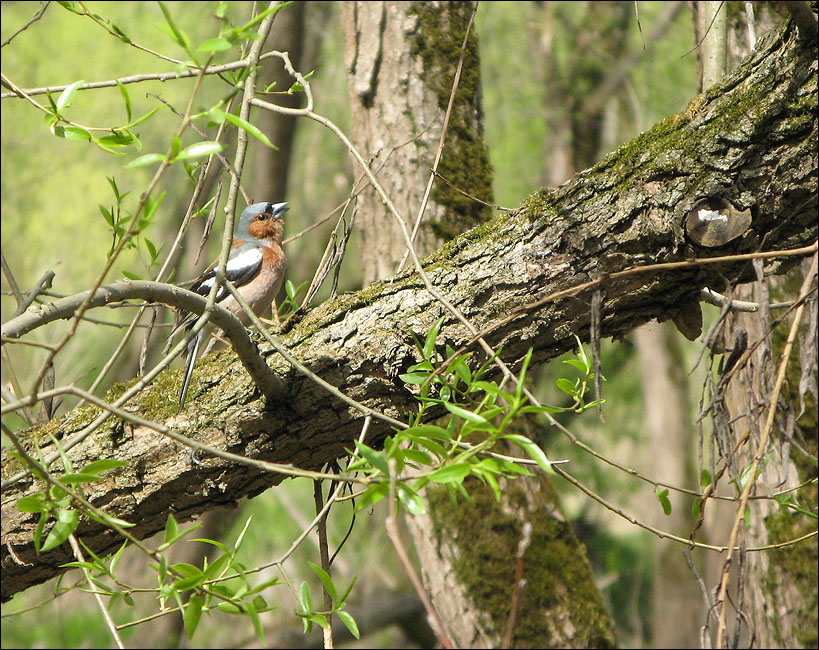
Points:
x=255 y=266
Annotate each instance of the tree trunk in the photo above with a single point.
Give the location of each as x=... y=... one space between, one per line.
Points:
x=752 y=138
x=773 y=597
x=404 y=100
x=401 y=59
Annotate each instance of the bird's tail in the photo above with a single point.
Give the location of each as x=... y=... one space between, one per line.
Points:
x=190 y=362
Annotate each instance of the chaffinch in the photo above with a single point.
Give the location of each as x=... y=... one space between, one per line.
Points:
x=255 y=267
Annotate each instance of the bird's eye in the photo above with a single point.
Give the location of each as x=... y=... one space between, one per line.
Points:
x=264 y=216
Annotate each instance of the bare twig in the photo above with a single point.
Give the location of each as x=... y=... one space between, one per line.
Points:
x=520 y=582
x=43 y=284
x=109 y=622
x=395 y=537
x=324 y=554
x=33 y=20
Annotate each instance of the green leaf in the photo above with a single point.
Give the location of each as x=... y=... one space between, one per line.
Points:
x=320 y=620
x=373 y=457
x=462 y=370
x=122 y=35
x=257 y=623
x=228 y=608
x=38 y=532
x=147 y=159
x=522 y=375
x=217 y=566
x=581 y=354
x=125 y=98
x=305 y=598
x=189 y=582
x=349 y=623
x=535 y=452
x=34 y=503
x=117 y=557
x=452 y=473
x=171 y=530
x=262 y=15
x=99 y=466
x=67 y=522
x=469 y=416
x=151 y=249
x=566 y=386
x=70 y=5
x=413 y=378
x=662 y=497
x=140 y=120
x=186 y=569
x=71 y=132
x=217 y=44
x=490 y=388
x=76 y=477
x=417 y=456
x=106 y=520
x=371 y=496
x=705 y=479
x=326 y=580
x=241 y=536
x=429 y=343
x=193 y=612
x=252 y=130
x=429 y=443
x=117 y=139
x=411 y=500
x=176 y=34
x=199 y=150
x=65 y=98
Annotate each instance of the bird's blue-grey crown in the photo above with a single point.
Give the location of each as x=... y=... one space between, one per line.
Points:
x=251 y=211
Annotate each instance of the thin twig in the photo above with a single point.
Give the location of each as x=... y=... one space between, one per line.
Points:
x=36 y=17
x=395 y=537
x=109 y=622
x=324 y=554
x=520 y=582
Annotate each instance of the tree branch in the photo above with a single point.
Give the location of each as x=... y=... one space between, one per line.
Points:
x=751 y=140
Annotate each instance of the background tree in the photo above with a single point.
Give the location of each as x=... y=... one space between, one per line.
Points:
x=416 y=99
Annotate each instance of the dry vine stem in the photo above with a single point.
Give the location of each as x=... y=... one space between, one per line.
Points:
x=760 y=450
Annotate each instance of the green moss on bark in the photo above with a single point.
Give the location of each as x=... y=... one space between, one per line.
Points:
x=464 y=162
x=556 y=568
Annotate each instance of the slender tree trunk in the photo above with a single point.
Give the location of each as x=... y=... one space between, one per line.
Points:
x=676 y=596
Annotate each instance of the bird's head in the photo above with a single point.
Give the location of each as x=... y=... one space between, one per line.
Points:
x=262 y=221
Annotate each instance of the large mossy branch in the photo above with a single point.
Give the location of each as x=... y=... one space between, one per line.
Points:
x=752 y=139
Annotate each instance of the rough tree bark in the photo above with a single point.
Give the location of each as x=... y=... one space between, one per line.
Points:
x=753 y=138
x=467 y=549
x=401 y=58
x=776 y=592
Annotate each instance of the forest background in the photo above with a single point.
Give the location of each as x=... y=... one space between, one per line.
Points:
x=539 y=63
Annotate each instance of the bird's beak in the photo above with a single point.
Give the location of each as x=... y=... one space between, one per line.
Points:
x=278 y=210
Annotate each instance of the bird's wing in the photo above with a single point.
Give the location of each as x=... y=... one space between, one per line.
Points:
x=242 y=266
